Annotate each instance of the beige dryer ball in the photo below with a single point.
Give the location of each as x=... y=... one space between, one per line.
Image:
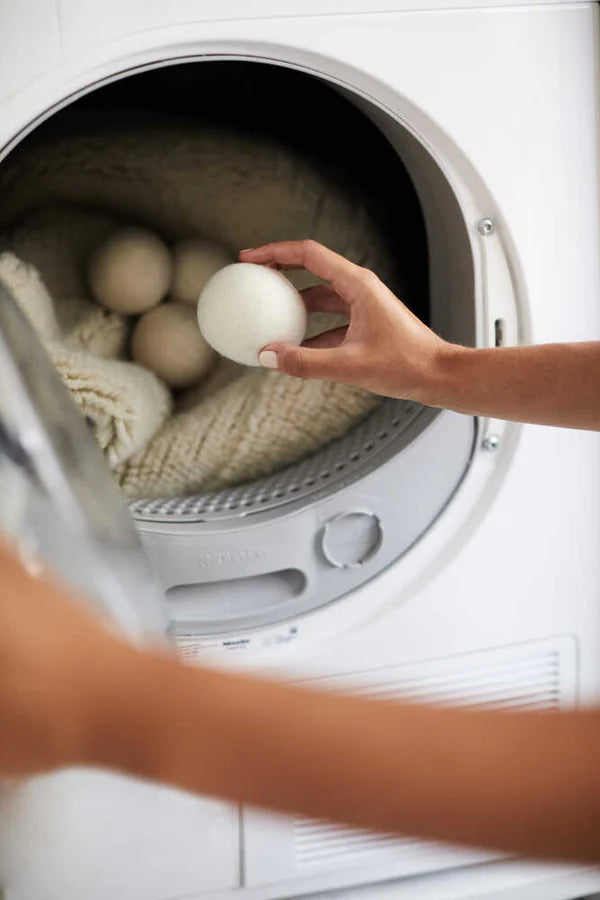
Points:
x=131 y=272
x=194 y=263
x=168 y=342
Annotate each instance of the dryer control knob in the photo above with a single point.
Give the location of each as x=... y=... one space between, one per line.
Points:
x=350 y=539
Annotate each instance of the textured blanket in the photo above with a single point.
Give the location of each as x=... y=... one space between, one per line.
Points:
x=62 y=196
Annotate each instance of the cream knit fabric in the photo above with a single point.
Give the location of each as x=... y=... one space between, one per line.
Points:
x=125 y=404
x=62 y=196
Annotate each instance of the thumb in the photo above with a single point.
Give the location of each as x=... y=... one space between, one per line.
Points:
x=304 y=362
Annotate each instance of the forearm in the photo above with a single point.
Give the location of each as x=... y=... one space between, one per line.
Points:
x=528 y=783
x=550 y=384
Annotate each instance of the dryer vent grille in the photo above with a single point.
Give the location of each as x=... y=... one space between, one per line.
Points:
x=318 y=843
x=534 y=680
x=532 y=675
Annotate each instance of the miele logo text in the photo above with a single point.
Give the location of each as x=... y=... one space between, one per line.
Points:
x=231 y=557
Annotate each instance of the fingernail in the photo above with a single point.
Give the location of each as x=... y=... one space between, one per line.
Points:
x=268 y=359
x=247 y=250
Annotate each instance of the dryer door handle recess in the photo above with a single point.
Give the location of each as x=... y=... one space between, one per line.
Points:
x=226 y=601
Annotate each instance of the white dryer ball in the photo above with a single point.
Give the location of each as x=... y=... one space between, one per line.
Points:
x=167 y=341
x=245 y=306
x=194 y=263
x=131 y=272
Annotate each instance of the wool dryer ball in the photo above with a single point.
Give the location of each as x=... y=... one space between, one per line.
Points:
x=131 y=272
x=167 y=341
x=246 y=306
x=194 y=262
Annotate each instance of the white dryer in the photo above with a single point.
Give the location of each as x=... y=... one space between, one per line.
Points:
x=426 y=553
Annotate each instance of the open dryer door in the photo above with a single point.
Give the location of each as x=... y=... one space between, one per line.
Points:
x=57 y=499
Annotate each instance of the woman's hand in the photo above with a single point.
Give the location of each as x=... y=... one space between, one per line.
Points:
x=385 y=348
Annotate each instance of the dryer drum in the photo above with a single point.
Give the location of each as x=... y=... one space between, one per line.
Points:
x=400 y=217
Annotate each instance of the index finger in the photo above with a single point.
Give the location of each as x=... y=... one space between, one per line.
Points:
x=344 y=276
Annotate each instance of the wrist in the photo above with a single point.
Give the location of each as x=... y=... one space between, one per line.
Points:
x=443 y=381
